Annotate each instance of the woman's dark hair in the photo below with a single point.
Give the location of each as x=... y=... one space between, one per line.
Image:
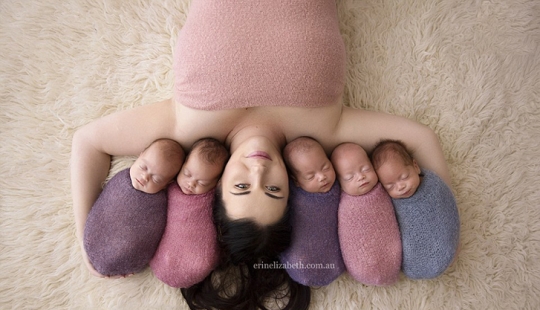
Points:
x=249 y=275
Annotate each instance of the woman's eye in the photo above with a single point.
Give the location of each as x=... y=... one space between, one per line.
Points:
x=242 y=186
x=273 y=188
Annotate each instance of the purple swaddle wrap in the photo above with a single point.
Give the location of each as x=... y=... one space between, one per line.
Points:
x=124 y=227
x=314 y=257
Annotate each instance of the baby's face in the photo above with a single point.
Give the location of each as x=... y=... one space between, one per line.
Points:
x=198 y=177
x=313 y=171
x=400 y=181
x=151 y=173
x=355 y=172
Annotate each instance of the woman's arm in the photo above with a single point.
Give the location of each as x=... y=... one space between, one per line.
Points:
x=122 y=133
x=367 y=128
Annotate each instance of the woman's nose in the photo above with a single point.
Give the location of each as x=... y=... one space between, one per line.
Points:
x=257 y=168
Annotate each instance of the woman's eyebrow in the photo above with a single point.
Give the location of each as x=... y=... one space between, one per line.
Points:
x=249 y=192
x=241 y=193
x=273 y=196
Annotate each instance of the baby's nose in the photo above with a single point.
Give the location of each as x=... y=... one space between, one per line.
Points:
x=145 y=176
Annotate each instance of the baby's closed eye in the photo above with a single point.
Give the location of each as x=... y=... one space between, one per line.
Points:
x=347 y=177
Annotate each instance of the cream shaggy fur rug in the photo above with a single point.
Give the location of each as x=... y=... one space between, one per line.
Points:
x=468 y=69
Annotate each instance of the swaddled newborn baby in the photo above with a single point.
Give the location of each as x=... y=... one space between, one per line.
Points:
x=425 y=208
x=188 y=251
x=125 y=225
x=368 y=231
x=314 y=257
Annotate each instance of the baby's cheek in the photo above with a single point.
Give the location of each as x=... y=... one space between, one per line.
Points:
x=332 y=178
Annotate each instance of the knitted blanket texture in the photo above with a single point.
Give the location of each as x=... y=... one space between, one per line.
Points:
x=369 y=237
x=429 y=225
x=124 y=227
x=188 y=251
x=314 y=257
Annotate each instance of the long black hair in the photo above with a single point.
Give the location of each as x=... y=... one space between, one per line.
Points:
x=249 y=275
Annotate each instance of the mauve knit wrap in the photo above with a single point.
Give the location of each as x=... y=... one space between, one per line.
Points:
x=429 y=225
x=369 y=237
x=188 y=251
x=314 y=257
x=247 y=53
x=124 y=227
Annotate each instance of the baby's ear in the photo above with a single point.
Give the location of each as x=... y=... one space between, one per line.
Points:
x=416 y=166
x=293 y=177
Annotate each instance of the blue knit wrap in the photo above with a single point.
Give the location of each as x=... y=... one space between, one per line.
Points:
x=429 y=226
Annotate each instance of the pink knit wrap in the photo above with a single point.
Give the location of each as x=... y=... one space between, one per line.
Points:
x=188 y=250
x=369 y=237
x=247 y=53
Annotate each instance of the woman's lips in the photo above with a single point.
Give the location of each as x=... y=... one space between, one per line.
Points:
x=260 y=155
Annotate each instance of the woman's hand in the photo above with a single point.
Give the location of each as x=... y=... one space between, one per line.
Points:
x=95 y=273
x=88 y=264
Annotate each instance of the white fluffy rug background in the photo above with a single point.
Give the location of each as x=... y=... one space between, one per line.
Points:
x=468 y=69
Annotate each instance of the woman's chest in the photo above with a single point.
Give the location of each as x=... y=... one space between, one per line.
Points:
x=292 y=123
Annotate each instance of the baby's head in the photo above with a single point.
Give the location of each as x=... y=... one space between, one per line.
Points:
x=157 y=166
x=353 y=167
x=203 y=167
x=309 y=166
x=398 y=172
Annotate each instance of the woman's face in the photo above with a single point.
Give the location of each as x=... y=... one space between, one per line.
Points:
x=255 y=183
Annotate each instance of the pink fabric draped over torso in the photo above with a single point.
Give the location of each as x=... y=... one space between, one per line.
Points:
x=248 y=53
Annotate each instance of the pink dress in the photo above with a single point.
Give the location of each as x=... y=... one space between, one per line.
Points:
x=247 y=53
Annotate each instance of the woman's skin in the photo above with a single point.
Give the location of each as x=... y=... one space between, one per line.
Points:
x=244 y=131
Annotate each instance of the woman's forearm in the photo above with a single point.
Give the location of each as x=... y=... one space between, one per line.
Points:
x=367 y=128
x=427 y=150
x=122 y=133
x=89 y=169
